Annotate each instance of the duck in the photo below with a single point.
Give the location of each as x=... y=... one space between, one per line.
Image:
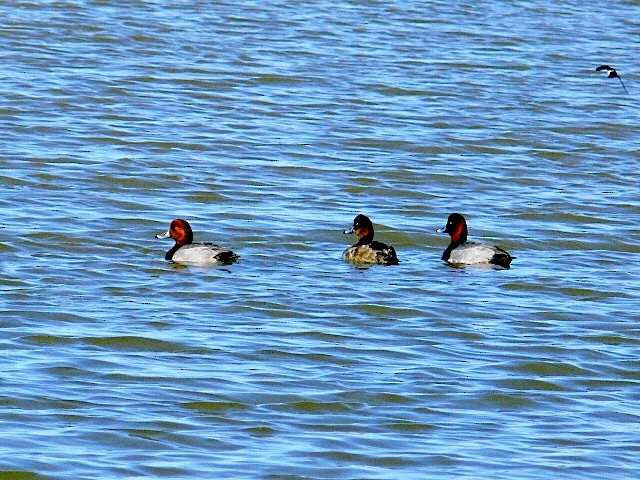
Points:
x=461 y=252
x=185 y=251
x=367 y=251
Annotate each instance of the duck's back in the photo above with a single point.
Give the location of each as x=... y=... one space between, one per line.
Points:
x=474 y=253
x=371 y=254
x=204 y=253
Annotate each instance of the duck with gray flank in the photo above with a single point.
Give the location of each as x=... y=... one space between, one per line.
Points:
x=462 y=252
x=185 y=251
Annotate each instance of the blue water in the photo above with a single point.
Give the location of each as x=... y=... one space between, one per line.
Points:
x=269 y=126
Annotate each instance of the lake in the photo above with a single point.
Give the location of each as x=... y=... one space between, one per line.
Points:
x=269 y=126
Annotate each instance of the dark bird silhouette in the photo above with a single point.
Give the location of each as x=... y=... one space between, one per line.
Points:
x=612 y=74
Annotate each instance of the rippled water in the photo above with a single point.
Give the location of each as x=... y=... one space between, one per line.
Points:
x=269 y=125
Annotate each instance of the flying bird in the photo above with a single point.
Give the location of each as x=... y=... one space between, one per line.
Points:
x=612 y=74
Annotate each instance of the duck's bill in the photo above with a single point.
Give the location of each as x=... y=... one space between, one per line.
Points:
x=164 y=235
x=441 y=230
x=347 y=232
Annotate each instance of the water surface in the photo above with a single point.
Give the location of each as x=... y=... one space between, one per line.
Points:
x=269 y=126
